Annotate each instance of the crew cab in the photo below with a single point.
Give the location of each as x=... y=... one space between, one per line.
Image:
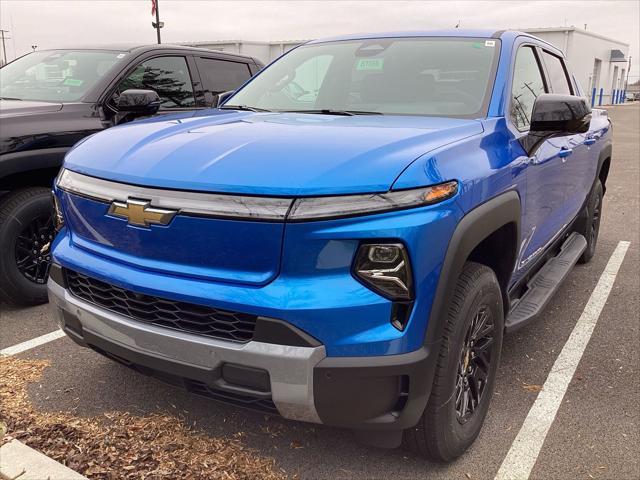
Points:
x=347 y=238
x=51 y=99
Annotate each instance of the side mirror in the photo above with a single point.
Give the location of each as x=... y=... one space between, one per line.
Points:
x=554 y=115
x=223 y=97
x=138 y=103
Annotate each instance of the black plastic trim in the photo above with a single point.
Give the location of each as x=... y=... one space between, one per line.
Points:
x=371 y=393
x=57 y=274
x=29 y=160
x=271 y=330
x=474 y=227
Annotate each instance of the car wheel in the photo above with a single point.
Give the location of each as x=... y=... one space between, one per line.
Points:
x=465 y=370
x=591 y=226
x=26 y=233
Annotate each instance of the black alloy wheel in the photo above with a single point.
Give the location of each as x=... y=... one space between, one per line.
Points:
x=474 y=364
x=33 y=249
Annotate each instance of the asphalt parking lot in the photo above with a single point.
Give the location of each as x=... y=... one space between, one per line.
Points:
x=596 y=431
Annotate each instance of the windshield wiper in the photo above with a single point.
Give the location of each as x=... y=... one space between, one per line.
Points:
x=10 y=98
x=243 y=107
x=328 y=111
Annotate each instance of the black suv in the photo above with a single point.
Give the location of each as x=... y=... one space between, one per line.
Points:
x=51 y=99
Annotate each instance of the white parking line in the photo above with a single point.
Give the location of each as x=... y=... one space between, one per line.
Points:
x=34 y=342
x=525 y=449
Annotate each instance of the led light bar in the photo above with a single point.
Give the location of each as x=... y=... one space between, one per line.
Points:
x=317 y=208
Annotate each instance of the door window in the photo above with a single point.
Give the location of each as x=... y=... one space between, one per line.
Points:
x=168 y=76
x=222 y=75
x=557 y=74
x=528 y=84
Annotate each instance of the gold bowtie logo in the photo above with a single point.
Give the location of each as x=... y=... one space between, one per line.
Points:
x=140 y=213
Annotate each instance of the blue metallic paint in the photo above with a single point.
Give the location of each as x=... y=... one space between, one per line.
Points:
x=301 y=272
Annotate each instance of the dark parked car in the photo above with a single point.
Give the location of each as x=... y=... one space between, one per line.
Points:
x=49 y=100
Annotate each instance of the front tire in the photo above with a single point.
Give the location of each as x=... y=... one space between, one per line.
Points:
x=26 y=233
x=465 y=370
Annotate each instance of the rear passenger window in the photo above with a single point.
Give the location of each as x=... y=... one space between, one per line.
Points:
x=557 y=74
x=527 y=85
x=221 y=75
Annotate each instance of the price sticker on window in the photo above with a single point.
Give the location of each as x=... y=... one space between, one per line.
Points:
x=370 y=64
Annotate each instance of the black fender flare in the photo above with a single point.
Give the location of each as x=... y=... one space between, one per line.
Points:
x=474 y=227
x=19 y=162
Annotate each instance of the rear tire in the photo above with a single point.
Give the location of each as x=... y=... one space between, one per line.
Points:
x=26 y=226
x=591 y=226
x=448 y=425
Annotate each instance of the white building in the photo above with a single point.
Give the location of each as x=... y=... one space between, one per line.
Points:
x=597 y=62
x=263 y=51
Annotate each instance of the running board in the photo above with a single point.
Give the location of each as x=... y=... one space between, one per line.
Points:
x=544 y=284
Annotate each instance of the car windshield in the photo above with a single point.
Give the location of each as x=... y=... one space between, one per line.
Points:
x=401 y=76
x=55 y=75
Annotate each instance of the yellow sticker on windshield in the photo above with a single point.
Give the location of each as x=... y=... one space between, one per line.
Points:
x=370 y=64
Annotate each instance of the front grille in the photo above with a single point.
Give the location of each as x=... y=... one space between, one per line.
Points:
x=182 y=316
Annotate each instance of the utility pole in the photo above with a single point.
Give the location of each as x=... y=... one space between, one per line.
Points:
x=4 y=48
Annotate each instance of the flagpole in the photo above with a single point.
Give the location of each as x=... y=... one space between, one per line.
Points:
x=158 y=20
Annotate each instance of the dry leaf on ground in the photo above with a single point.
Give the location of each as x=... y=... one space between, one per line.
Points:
x=119 y=445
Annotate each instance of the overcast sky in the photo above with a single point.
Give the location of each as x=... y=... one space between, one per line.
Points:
x=56 y=23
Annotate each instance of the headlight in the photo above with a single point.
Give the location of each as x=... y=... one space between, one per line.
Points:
x=385 y=268
x=58 y=217
x=317 y=208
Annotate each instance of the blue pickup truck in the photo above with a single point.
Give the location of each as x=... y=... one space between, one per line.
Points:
x=347 y=238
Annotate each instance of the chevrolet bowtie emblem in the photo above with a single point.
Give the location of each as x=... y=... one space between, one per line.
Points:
x=140 y=213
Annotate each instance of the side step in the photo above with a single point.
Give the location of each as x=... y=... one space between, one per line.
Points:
x=544 y=284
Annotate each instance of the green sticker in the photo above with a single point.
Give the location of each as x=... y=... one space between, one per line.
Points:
x=72 y=82
x=370 y=64
x=477 y=45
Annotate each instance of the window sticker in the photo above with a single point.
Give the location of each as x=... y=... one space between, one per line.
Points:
x=72 y=82
x=121 y=55
x=490 y=43
x=370 y=64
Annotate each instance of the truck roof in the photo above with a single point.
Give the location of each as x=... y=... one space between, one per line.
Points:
x=140 y=48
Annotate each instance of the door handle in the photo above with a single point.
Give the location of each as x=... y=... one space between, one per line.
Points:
x=565 y=152
x=589 y=141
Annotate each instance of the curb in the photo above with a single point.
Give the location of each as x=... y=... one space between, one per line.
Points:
x=18 y=461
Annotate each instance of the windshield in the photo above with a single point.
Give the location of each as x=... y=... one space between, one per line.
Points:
x=402 y=76
x=55 y=75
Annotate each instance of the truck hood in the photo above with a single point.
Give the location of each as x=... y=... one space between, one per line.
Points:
x=265 y=153
x=10 y=108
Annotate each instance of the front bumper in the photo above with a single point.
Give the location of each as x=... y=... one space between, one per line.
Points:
x=379 y=392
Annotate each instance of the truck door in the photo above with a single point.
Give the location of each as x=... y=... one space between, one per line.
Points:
x=543 y=213
x=580 y=167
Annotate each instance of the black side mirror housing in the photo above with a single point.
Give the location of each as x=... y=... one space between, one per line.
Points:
x=555 y=115
x=138 y=103
x=223 y=97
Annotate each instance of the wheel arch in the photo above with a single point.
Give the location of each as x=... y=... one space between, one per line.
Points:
x=480 y=236
x=32 y=168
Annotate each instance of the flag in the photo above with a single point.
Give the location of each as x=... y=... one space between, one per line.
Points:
x=153 y=7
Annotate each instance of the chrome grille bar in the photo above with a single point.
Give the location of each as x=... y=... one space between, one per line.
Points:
x=186 y=203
